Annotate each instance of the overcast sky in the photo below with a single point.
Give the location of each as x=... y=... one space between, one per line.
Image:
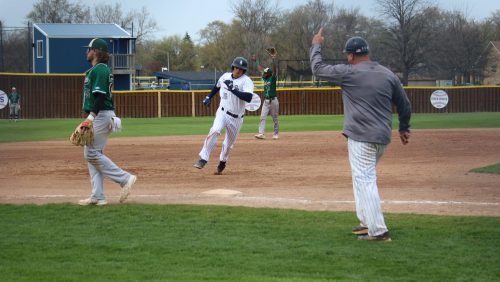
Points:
x=181 y=16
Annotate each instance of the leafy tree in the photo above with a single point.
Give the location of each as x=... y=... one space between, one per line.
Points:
x=187 y=55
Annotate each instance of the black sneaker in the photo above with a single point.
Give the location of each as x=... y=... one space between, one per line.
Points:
x=200 y=163
x=382 y=237
x=360 y=230
x=221 y=167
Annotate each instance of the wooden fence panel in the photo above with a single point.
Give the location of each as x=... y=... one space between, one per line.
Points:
x=60 y=96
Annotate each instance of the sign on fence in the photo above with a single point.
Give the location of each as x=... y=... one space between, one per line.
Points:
x=4 y=100
x=439 y=99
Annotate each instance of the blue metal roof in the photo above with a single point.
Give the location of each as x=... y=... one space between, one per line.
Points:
x=190 y=75
x=64 y=30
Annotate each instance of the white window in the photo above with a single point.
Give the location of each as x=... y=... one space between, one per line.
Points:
x=39 y=48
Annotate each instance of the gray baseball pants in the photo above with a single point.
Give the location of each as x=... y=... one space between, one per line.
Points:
x=269 y=107
x=99 y=165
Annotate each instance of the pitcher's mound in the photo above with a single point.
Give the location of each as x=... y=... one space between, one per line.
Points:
x=222 y=192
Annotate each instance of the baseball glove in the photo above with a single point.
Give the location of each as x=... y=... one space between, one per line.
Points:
x=272 y=51
x=81 y=137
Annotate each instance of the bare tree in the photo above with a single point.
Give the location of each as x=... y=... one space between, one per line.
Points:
x=106 y=13
x=58 y=11
x=258 y=18
x=347 y=23
x=462 y=44
x=491 y=26
x=15 y=51
x=406 y=35
x=144 y=25
x=218 y=44
x=294 y=33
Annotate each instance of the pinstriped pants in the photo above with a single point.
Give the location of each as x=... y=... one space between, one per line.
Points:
x=364 y=157
x=232 y=126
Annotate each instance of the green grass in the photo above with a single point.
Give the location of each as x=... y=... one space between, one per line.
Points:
x=488 y=169
x=190 y=243
x=58 y=129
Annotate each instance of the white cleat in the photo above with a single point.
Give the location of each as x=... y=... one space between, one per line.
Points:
x=127 y=188
x=93 y=202
x=276 y=137
x=260 y=136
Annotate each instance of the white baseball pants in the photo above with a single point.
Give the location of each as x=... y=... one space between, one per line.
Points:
x=364 y=157
x=232 y=125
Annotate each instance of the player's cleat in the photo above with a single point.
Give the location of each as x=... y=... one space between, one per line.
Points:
x=260 y=136
x=382 y=237
x=360 y=230
x=220 y=167
x=92 y=201
x=127 y=188
x=200 y=163
x=276 y=137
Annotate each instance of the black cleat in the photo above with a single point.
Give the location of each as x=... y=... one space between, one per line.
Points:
x=382 y=237
x=360 y=230
x=200 y=163
x=221 y=167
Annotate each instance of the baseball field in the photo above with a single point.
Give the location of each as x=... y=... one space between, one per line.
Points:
x=282 y=210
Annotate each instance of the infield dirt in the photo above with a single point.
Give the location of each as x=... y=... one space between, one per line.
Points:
x=307 y=170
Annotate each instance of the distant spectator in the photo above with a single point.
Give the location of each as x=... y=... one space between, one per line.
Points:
x=185 y=86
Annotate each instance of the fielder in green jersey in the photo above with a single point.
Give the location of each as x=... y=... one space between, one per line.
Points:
x=14 y=104
x=271 y=104
x=98 y=104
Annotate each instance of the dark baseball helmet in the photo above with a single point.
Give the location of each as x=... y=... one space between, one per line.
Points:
x=98 y=43
x=356 y=45
x=240 y=62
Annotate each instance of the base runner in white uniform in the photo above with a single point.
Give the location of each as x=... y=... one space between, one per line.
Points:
x=368 y=92
x=235 y=89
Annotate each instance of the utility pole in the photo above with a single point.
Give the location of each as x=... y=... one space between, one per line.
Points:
x=30 y=47
x=1 y=48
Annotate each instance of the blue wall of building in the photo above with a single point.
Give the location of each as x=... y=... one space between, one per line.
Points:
x=67 y=55
x=39 y=64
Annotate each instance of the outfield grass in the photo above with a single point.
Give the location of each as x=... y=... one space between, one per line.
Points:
x=191 y=243
x=59 y=129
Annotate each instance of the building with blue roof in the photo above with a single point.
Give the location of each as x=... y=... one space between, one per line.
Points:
x=194 y=80
x=58 y=48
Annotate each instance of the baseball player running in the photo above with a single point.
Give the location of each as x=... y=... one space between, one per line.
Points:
x=98 y=104
x=368 y=92
x=235 y=89
x=271 y=104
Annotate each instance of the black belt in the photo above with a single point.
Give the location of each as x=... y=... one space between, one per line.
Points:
x=270 y=99
x=231 y=114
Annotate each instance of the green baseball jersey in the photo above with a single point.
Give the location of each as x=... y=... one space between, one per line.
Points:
x=98 y=79
x=14 y=98
x=269 y=87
